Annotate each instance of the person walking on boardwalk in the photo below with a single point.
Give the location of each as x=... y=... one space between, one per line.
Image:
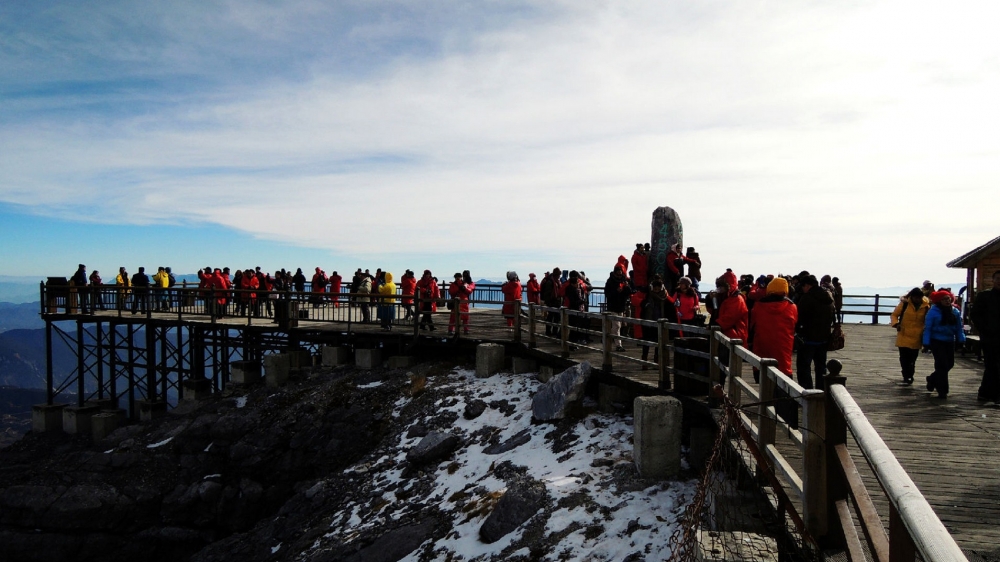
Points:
x=942 y=330
x=80 y=281
x=575 y=293
x=512 y=292
x=816 y=315
x=386 y=304
x=160 y=283
x=140 y=291
x=733 y=317
x=908 y=319
x=428 y=298
x=95 y=288
x=986 y=319
x=617 y=292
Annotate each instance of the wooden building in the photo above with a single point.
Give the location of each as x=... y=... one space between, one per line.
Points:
x=979 y=265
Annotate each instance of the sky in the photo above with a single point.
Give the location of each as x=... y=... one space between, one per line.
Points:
x=854 y=138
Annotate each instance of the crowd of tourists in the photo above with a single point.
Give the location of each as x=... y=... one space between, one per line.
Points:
x=773 y=315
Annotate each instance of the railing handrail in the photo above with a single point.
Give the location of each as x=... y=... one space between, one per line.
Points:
x=930 y=537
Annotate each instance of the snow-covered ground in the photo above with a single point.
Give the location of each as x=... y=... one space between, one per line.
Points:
x=598 y=508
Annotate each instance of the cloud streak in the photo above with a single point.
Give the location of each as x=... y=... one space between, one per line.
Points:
x=815 y=129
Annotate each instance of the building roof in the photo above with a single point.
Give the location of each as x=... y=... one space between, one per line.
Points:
x=970 y=259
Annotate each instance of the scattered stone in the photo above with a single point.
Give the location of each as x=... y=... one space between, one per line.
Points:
x=520 y=438
x=553 y=400
x=435 y=446
x=474 y=409
x=522 y=500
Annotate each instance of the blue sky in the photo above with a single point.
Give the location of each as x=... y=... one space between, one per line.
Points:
x=854 y=138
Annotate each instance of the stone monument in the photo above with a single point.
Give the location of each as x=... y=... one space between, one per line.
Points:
x=667 y=231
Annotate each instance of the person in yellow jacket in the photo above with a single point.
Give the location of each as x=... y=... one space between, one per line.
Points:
x=908 y=319
x=161 y=280
x=123 y=283
x=386 y=305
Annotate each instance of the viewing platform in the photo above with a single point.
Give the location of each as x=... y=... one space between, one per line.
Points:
x=946 y=450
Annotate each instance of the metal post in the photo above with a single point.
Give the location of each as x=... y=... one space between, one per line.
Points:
x=150 y=362
x=80 y=390
x=836 y=434
x=49 y=396
x=113 y=365
x=99 y=331
x=875 y=312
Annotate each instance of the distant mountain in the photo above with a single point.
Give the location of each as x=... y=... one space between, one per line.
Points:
x=19 y=291
x=22 y=358
x=22 y=316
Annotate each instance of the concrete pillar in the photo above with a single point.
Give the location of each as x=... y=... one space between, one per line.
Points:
x=335 y=355
x=368 y=358
x=657 y=439
x=47 y=417
x=151 y=409
x=489 y=359
x=523 y=365
x=197 y=389
x=276 y=369
x=102 y=404
x=76 y=419
x=244 y=372
x=612 y=399
x=401 y=361
x=545 y=373
x=101 y=425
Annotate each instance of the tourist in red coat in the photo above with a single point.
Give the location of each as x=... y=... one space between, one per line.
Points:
x=461 y=290
x=429 y=295
x=772 y=325
x=407 y=286
x=336 y=282
x=640 y=267
x=512 y=292
x=733 y=315
x=534 y=290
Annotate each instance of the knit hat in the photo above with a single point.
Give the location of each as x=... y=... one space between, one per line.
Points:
x=684 y=280
x=511 y=275
x=777 y=286
x=938 y=296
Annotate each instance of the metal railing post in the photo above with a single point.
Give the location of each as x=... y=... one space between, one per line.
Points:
x=875 y=312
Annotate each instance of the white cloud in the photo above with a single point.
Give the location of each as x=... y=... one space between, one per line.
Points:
x=793 y=129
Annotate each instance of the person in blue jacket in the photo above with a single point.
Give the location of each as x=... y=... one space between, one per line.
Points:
x=942 y=330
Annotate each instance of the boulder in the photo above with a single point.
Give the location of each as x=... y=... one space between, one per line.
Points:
x=435 y=446
x=524 y=497
x=553 y=399
x=474 y=409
